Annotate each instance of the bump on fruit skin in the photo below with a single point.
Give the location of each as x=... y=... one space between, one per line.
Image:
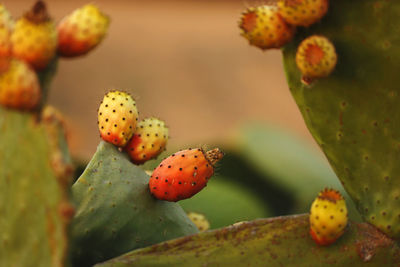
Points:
x=302 y=12
x=328 y=217
x=34 y=38
x=81 y=31
x=199 y=220
x=316 y=57
x=117 y=117
x=265 y=28
x=183 y=174
x=19 y=86
x=6 y=27
x=148 y=141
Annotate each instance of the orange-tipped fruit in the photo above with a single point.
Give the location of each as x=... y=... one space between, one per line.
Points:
x=316 y=57
x=265 y=28
x=117 y=117
x=148 y=141
x=34 y=38
x=183 y=174
x=81 y=31
x=328 y=217
x=302 y=12
x=19 y=86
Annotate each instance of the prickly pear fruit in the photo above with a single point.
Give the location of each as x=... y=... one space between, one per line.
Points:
x=302 y=12
x=19 y=86
x=328 y=217
x=316 y=57
x=183 y=174
x=265 y=28
x=148 y=141
x=199 y=220
x=117 y=116
x=6 y=27
x=34 y=38
x=81 y=31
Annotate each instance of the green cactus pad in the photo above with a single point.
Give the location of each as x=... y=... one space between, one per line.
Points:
x=34 y=174
x=354 y=113
x=281 y=241
x=115 y=211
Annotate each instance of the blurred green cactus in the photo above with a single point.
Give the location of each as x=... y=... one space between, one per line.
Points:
x=35 y=171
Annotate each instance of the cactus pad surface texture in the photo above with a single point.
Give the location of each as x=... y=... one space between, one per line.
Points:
x=280 y=241
x=115 y=211
x=354 y=113
x=34 y=180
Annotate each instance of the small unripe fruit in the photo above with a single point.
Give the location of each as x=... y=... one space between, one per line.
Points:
x=117 y=117
x=148 y=141
x=81 y=31
x=183 y=174
x=316 y=57
x=19 y=86
x=302 y=12
x=199 y=220
x=34 y=38
x=328 y=217
x=265 y=28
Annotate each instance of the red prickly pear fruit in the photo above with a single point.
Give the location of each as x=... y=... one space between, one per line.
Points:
x=316 y=57
x=19 y=86
x=117 y=117
x=148 y=141
x=328 y=217
x=183 y=174
x=265 y=28
x=6 y=28
x=302 y=12
x=34 y=38
x=81 y=31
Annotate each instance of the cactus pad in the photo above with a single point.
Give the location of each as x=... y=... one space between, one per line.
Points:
x=353 y=114
x=115 y=211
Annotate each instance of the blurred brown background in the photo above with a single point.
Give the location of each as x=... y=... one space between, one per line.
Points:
x=183 y=61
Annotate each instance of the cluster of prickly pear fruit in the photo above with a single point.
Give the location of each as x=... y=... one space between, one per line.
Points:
x=181 y=175
x=29 y=44
x=273 y=26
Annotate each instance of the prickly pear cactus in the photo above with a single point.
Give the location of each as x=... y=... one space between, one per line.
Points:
x=35 y=172
x=115 y=211
x=281 y=241
x=353 y=114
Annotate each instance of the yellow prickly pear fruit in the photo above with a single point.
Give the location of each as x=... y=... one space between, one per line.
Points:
x=81 y=31
x=117 y=117
x=149 y=140
x=316 y=57
x=328 y=217
x=199 y=220
x=34 y=38
x=302 y=12
x=265 y=28
x=19 y=86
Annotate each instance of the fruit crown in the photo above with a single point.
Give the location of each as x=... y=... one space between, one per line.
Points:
x=214 y=155
x=38 y=14
x=330 y=195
